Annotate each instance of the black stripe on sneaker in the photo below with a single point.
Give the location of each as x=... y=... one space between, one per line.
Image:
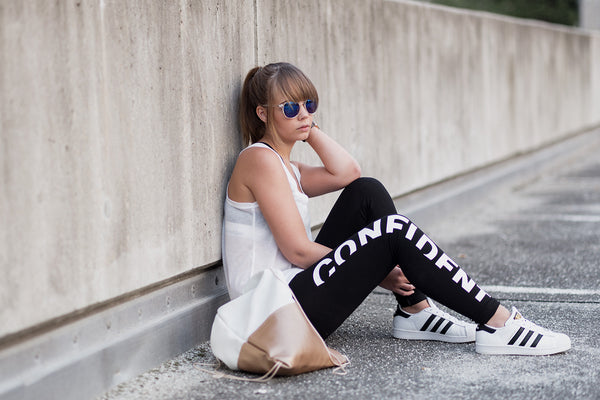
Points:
x=537 y=340
x=526 y=338
x=438 y=324
x=445 y=329
x=428 y=322
x=516 y=336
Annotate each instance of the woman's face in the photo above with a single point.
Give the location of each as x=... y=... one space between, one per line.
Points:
x=290 y=129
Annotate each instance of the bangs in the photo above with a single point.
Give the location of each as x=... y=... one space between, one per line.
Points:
x=293 y=85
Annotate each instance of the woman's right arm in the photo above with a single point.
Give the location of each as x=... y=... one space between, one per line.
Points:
x=258 y=172
x=338 y=170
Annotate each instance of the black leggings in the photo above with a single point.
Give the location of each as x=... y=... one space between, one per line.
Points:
x=369 y=239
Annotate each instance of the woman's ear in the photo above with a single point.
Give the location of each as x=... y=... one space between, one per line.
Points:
x=262 y=113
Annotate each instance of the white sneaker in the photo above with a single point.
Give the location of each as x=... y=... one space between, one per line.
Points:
x=520 y=337
x=432 y=324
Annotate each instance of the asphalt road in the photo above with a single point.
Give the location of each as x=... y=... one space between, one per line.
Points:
x=533 y=241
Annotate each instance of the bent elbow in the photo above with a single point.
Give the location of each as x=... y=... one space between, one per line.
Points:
x=353 y=173
x=356 y=171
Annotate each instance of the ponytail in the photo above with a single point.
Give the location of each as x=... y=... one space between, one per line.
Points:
x=253 y=129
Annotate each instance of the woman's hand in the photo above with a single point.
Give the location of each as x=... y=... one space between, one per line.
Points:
x=397 y=282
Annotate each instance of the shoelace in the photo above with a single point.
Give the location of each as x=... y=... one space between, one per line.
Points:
x=447 y=316
x=525 y=323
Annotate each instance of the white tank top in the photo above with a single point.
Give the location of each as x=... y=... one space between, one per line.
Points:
x=248 y=245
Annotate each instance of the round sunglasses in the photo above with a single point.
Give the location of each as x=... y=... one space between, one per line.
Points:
x=291 y=108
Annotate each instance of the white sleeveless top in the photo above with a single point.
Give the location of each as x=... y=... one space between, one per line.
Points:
x=248 y=245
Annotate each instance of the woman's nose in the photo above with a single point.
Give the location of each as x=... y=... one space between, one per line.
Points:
x=303 y=111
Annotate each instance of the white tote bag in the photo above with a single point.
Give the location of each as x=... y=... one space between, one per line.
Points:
x=265 y=331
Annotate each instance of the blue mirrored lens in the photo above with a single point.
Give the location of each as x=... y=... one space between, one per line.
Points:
x=291 y=109
x=311 y=106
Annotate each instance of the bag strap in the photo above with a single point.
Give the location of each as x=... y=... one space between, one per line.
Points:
x=270 y=374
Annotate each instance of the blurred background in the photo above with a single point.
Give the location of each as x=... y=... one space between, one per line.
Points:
x=564 y=12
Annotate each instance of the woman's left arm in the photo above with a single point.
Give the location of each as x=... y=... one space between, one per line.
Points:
x=338 y=170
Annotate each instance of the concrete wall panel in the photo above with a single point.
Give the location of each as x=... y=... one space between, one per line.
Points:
x=462 y=89
x=594 y=78
x=118 y=121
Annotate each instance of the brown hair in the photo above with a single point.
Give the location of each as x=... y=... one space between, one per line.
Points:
x=260 y=86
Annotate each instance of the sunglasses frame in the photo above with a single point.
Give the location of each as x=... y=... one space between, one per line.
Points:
x=299 y=104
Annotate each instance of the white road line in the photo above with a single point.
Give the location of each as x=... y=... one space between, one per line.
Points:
x=517 y=289
x=560 y=217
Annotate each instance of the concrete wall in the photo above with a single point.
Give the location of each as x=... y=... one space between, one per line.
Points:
x=118 y=128
x=589 y=14
x=118 y=125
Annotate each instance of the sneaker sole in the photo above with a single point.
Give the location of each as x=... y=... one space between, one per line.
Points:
x=519 y=351
x=412 y=335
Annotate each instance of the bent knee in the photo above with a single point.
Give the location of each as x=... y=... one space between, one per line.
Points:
x=366 y=184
